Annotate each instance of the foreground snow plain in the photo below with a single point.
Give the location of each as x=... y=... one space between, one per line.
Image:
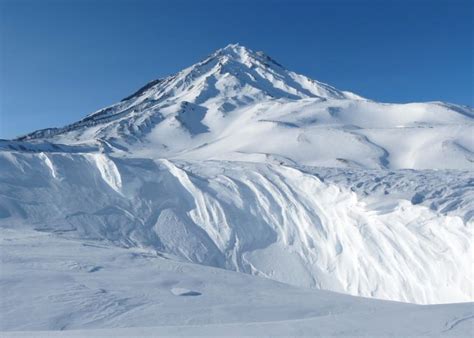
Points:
x=233 y=198
x=51 y=284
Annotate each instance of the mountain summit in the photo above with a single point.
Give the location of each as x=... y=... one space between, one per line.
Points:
x=224 y=106
x=233 y=76
x=238 y=73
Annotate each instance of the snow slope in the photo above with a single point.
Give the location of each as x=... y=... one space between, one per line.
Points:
x=240 y=164
x=78 y=288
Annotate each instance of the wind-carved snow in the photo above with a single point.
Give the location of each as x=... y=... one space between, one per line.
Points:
x=276 y=221
x=241 y=164
x=49 y=164
x=108 y=170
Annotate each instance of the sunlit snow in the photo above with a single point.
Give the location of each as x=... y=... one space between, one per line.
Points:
x=237 y=197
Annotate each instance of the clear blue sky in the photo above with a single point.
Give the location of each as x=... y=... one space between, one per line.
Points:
x=61 y=60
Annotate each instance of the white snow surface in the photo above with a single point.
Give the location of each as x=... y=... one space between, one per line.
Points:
x=276 y=221
x=57 y=287
x=121 y=219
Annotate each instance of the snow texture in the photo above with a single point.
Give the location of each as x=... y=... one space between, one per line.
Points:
x=56 y=287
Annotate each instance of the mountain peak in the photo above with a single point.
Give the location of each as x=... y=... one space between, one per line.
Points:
x=233 y=76
x=234 y=49
x=241 y=54
x=234 y=46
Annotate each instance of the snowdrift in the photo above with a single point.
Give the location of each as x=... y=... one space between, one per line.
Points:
x=301 y=226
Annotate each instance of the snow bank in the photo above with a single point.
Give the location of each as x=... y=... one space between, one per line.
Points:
x=275 y=221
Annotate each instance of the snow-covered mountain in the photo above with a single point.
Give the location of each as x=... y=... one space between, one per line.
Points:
x=241 y=164
x=229 y=78
x=240 y=104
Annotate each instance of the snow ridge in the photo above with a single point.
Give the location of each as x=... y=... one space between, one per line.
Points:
x=276 y=221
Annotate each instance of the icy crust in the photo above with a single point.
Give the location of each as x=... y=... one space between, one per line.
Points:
x=302 y=226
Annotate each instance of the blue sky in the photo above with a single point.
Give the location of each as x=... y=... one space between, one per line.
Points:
x=60 y=60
